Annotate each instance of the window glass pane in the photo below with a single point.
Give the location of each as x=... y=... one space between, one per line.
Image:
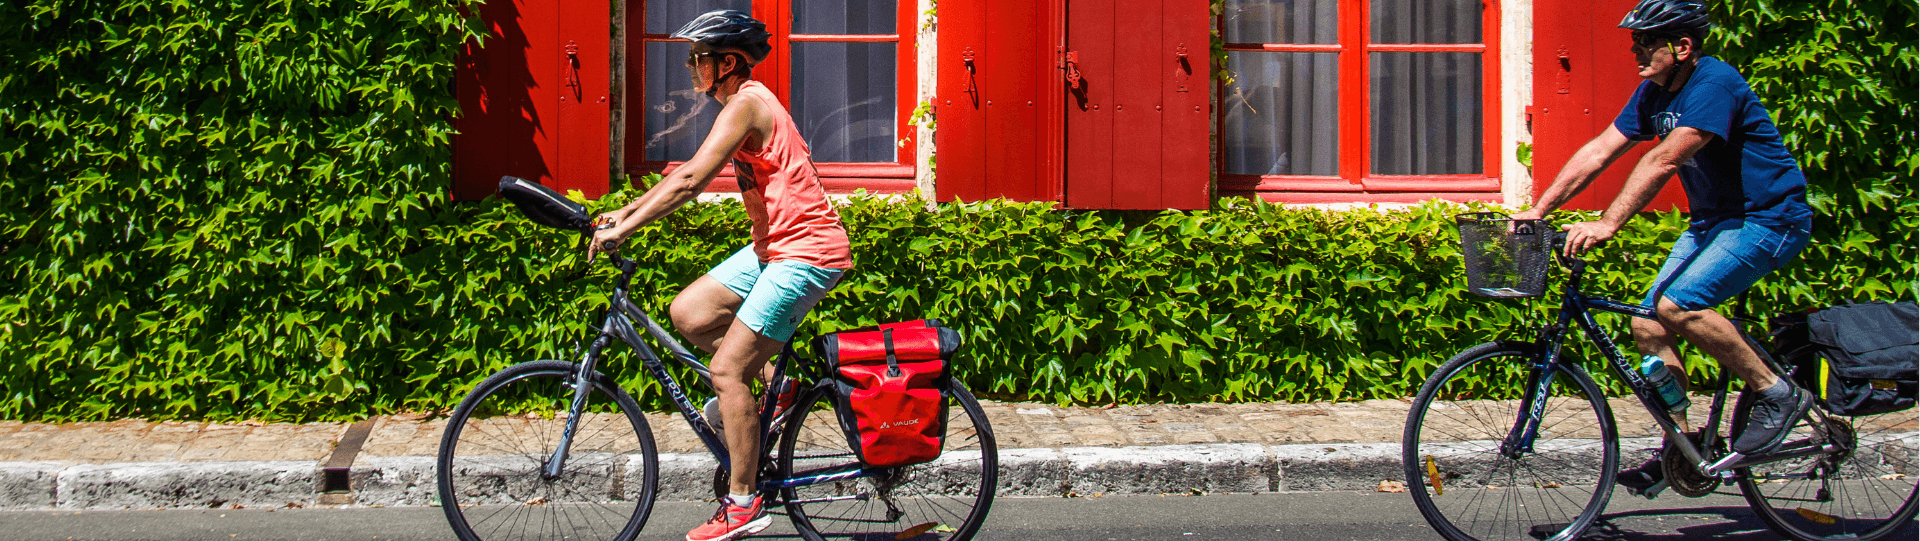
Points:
x=667 y=16
x=677 y=118
x=1282 y=114
x=1282 y=21
x=844 y=16
x=1426 y=113
x=844 y=99
x=1426 y=21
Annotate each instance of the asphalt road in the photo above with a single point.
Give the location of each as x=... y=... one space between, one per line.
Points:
x=1299 y=516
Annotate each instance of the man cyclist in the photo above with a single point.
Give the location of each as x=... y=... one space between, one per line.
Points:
x=1747 y=198
x=745 y=310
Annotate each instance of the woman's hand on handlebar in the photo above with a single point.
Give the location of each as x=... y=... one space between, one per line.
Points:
x=1585 y=236
x=606 y=235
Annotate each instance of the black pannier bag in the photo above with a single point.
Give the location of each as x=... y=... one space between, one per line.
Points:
x=543 y=205
x=1857 y=359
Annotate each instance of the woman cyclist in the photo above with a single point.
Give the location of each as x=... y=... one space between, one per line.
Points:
x=745 y=310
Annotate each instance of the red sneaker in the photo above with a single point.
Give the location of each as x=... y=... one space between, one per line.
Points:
x=733 y=522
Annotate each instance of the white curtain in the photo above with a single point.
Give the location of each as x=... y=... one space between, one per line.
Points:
x=1426 y=106
x=1282 y=112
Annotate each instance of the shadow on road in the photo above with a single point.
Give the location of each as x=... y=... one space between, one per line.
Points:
x=1736 y=524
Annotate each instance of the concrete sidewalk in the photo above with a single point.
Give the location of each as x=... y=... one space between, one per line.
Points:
x=1044 y=451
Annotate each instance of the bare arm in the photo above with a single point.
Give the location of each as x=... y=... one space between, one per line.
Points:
x=730 y=130
x=1586 y=165
x=1643 y=183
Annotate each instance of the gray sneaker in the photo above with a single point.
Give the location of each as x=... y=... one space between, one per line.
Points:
x=1769 y=419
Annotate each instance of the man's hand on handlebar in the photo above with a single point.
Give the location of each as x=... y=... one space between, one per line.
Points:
x=1585 y=236
x=1523 y=216
x=606 y=237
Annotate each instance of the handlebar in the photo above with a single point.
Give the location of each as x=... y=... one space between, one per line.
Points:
x=625 y=265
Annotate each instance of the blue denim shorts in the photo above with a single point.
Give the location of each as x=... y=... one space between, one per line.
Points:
x=776 y=295
x=1709 y=266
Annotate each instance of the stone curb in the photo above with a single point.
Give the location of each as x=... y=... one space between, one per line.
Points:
x=146 y=485
x=409 y=481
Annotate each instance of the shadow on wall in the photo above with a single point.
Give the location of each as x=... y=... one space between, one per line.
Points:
x=499 y=122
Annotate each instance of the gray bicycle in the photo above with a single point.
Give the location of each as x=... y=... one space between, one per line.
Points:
x=558 y=450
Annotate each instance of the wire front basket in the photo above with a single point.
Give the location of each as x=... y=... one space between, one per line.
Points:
x=1506 y=258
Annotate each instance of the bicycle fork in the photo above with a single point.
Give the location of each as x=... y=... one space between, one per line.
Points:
x=582 y=386
x=1533 y=405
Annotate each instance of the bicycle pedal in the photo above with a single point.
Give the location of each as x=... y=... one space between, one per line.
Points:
x=1651 y=492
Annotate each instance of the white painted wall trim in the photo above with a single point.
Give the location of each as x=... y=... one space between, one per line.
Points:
x=1516 y=93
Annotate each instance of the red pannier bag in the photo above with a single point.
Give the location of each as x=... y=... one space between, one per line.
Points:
x=889 y=379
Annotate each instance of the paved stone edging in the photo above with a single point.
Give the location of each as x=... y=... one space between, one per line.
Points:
x=408 y=481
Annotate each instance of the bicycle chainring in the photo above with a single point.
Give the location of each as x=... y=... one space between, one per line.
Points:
x=1683 y=476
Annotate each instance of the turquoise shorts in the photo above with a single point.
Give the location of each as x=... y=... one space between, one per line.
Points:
x=776 y=295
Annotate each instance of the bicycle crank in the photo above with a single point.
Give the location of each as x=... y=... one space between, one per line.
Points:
x=1683 y=476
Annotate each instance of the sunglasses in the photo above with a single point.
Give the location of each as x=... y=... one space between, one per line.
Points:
x=1651 y=41
x=694 y=57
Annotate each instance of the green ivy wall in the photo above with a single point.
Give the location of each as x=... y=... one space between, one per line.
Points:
x=239 y=209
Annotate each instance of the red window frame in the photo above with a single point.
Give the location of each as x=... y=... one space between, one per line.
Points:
x=837 y=177
x=1356 y=183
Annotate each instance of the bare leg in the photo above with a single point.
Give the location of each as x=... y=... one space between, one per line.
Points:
x=740 y=358
x=1652 y=337
x=704 y=315
x=1717 y=336
x=704 y=311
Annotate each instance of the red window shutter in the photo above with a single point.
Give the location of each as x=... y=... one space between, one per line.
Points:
x=1583 y=75
x=999 y=100
x=1137 y=122
x=534 y=99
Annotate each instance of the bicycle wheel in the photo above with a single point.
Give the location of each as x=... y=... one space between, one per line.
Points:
x=1867 y=492
x=499 y=438
x=943 y=500
x=1462 y=483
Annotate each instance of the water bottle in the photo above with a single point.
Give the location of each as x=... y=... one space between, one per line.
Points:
x=1664 y=382
x=712 y=412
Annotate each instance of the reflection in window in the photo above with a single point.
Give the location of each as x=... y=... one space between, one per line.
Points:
x=666 y=17
x=1426 y=21
x=1282 y=114
x=1282 y=21
x=1426 y=113
x=677 y=118
x=844 y=16
x=844 y=99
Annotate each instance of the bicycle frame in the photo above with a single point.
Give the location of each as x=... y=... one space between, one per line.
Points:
x=1578 y=307
x=619 y=324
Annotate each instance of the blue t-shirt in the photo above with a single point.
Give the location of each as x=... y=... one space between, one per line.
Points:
x=1744 y=172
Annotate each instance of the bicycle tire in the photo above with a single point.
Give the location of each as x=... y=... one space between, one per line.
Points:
x=510 y=425
x=959 y=486
x=1869 y=480
x=1455 y=471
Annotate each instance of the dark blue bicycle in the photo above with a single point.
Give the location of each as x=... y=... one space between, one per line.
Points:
x=1514 y=440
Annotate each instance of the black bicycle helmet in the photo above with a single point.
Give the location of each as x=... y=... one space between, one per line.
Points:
x=1668 y=17
x=728 y=29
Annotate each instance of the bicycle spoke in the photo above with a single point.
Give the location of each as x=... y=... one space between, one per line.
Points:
x=497 y=462
x=1487 y=495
